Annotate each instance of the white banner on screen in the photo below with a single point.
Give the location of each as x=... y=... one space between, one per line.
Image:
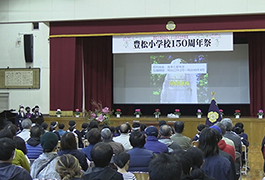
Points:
x=194 y=68
x=173 y=43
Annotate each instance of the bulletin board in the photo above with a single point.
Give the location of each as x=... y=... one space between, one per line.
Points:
x=20 y=78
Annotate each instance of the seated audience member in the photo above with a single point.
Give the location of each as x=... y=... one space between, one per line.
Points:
x=106 y=136
x=161 y=123
x=142 y=128
x=183 y=141
x=93 y=137
x=152 y=142
x=165 y=134
x=44 y=165
x=164 y=167
x=214 y=165
x=20 y=158
x=124 y=137
x=25 y=133
x=68 y=167
x=45 y=127
x=197 y=160
x=113 y=131
x=33 y=144
x=140 y=157
x=200 y=127
x=69 y=146
x=101 y=155
x=7 y=170
x=222 y=144
x=136 y=126
x=93 y=124
x=84 y=130
x=121 y=161
x=77 y=133
x=53 y=127
x=61 y=130
x=20 y=143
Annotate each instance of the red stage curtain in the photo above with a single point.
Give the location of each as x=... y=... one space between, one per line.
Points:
x=65 y=83
x=257 y=71
x=98 y=70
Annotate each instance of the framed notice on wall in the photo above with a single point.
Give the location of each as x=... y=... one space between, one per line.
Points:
x=20 y=78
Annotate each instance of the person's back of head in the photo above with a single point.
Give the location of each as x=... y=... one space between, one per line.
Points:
x=136 y=126
x=125 y=128
x=61 y=126
x=93 y=124
x=12 y=128
x=101 y=154
x=142 y=127
x=7 y=148
x=164 y=167
x=162 y=122
x=137 y=139
x=106 y=134
x=26 y=124
x=84 y=126
x=121 y=159
x=72 y=125
x=151 y=131
x=196 y=155
x=200 y=127
x=208 y=142
x=68 y=167
x=44 y=126
x=165 y=130
x=49 y=141
x=6 y=133
x=93 y=136
x=228 y=124
x=184 y=159
x=239 y=124
x=53 y=125
x=179 y=126
x=222 y=127
x=68 y=141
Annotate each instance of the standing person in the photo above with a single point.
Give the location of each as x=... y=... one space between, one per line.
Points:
x=121 y=161
x=214 y=165
x=20 y=116
x=28 y=114
x=37 y=116
x=69 y=146
x=77 y=133
x=68 y=167
x=44 y=165
x=7 y=170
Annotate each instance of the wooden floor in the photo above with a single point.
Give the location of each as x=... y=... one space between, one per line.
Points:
x=255 y=163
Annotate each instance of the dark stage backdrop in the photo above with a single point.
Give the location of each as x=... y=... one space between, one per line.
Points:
x=68 y=53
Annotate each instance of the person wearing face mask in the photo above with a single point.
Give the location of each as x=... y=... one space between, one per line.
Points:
x=37 y=116
x=20 y=116
x=28 y=113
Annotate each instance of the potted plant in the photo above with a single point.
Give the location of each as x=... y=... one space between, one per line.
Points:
x=137 y=113
x=199 y=113
x=77 y=113
x=260 y=114
x=118 y=113
x=237 y=113
x=58 y=112
x=157 y=113
x=177 y=113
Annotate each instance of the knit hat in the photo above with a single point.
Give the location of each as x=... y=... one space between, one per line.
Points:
x=48 y=141
x=216 y=128
x=151 y=131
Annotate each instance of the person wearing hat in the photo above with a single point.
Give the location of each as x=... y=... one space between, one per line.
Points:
x=77 y=133
x=37 y=116
x=28 y=114
x=152 y=142
x=44 y=165
x=20 y=116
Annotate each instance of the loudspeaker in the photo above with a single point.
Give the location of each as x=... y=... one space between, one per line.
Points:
x=28 y=47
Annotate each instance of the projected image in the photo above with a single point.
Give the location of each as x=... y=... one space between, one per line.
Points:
x=178 y=80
